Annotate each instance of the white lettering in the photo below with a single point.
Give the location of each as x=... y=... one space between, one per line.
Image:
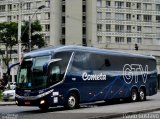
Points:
x=93 y=77
x=132 y=71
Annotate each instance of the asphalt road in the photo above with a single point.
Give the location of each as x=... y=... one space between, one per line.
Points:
x=91 y=111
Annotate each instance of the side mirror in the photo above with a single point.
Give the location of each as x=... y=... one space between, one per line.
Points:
x=45 y=68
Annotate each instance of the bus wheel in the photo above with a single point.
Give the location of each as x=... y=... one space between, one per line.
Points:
x=72 y=101
x=142 y=95
x=44 y=107
x=134 y=95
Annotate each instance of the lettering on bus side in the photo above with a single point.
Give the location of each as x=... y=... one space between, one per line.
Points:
x=132 y=71
x=89 y=77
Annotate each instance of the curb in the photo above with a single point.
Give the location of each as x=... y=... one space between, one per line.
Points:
x=120 y=115
x=7 y=104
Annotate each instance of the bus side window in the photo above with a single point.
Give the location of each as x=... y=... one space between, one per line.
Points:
x=54 y=73
x=107 y=63
x=100 y=62
x=81 y=63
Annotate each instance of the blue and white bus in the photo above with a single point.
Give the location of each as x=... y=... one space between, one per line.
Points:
x=70 y=75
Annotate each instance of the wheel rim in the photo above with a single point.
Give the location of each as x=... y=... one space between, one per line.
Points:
x=71 y=101
x=134 y=96
x=141 y=94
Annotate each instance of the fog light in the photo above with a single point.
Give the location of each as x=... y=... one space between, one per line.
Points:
x=42 y=102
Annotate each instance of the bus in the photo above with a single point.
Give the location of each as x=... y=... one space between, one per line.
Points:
x=70 y=75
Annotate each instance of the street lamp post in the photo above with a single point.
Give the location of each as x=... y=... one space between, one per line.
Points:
x=30 y=23
x=19 y=28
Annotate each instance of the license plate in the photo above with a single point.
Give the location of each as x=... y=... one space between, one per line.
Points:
x=27 y=103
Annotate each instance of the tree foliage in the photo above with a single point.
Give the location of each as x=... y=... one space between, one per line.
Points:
x=36 y=37
x=9 y=35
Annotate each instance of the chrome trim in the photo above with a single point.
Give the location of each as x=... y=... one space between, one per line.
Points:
x=68 y=65
x=34 y=97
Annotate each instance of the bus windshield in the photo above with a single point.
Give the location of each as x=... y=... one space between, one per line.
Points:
x=31 y=75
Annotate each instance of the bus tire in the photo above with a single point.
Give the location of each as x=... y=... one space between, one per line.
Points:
x=44 y=108
x=72 y=101
x=142 y=94
x=134 y=95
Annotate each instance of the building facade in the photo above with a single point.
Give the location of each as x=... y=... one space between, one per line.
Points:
x=127 y=25
x=9 y=11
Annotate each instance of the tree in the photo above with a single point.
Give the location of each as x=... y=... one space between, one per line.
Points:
x=8 y=36
x=36 y=37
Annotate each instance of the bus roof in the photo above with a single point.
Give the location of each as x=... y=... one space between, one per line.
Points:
x=51 y=49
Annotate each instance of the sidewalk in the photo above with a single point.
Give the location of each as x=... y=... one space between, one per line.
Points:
x=2 y=103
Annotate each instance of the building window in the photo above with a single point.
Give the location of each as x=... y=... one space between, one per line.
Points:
x=38 y=16
x=63 y=31
x=84 y=42
x=99 y=15
x=119 y=4
x=47 y=38
x=128 y=4
x=63 y=19
x=119 y=16
x=108 y=4
x=9 y=7
x=99 y=3
x=157 y=18
x=9 y=18
x=14 y=6
x=47 y=15
x=108 y=15
x=138 y=5
x=119 y=28
x=108 y=39
x=84 y=8
x=84 y=19
x=108 y=27
x=84 y=30
x=147 y=29
x=99 y=39
x=99 y=27
x=128 y=16
x=139 y=28
x=47 y=4
x=129 y=40
x=47 y=27
x=147 y=6
x=139 y=17
x=119 y=39
x=139 y=40
x=128 y=29
x=38 y=4
x=63 y=8
x=147 y=18
x=157 y=7
x=2 y=8
x=158 y=29
x=63 y=41
x=28 y=6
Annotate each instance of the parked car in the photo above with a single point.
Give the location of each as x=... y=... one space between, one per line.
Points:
x=12 y=85
x=8 y=95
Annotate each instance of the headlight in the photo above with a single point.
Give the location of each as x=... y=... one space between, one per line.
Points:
x=11 y=94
